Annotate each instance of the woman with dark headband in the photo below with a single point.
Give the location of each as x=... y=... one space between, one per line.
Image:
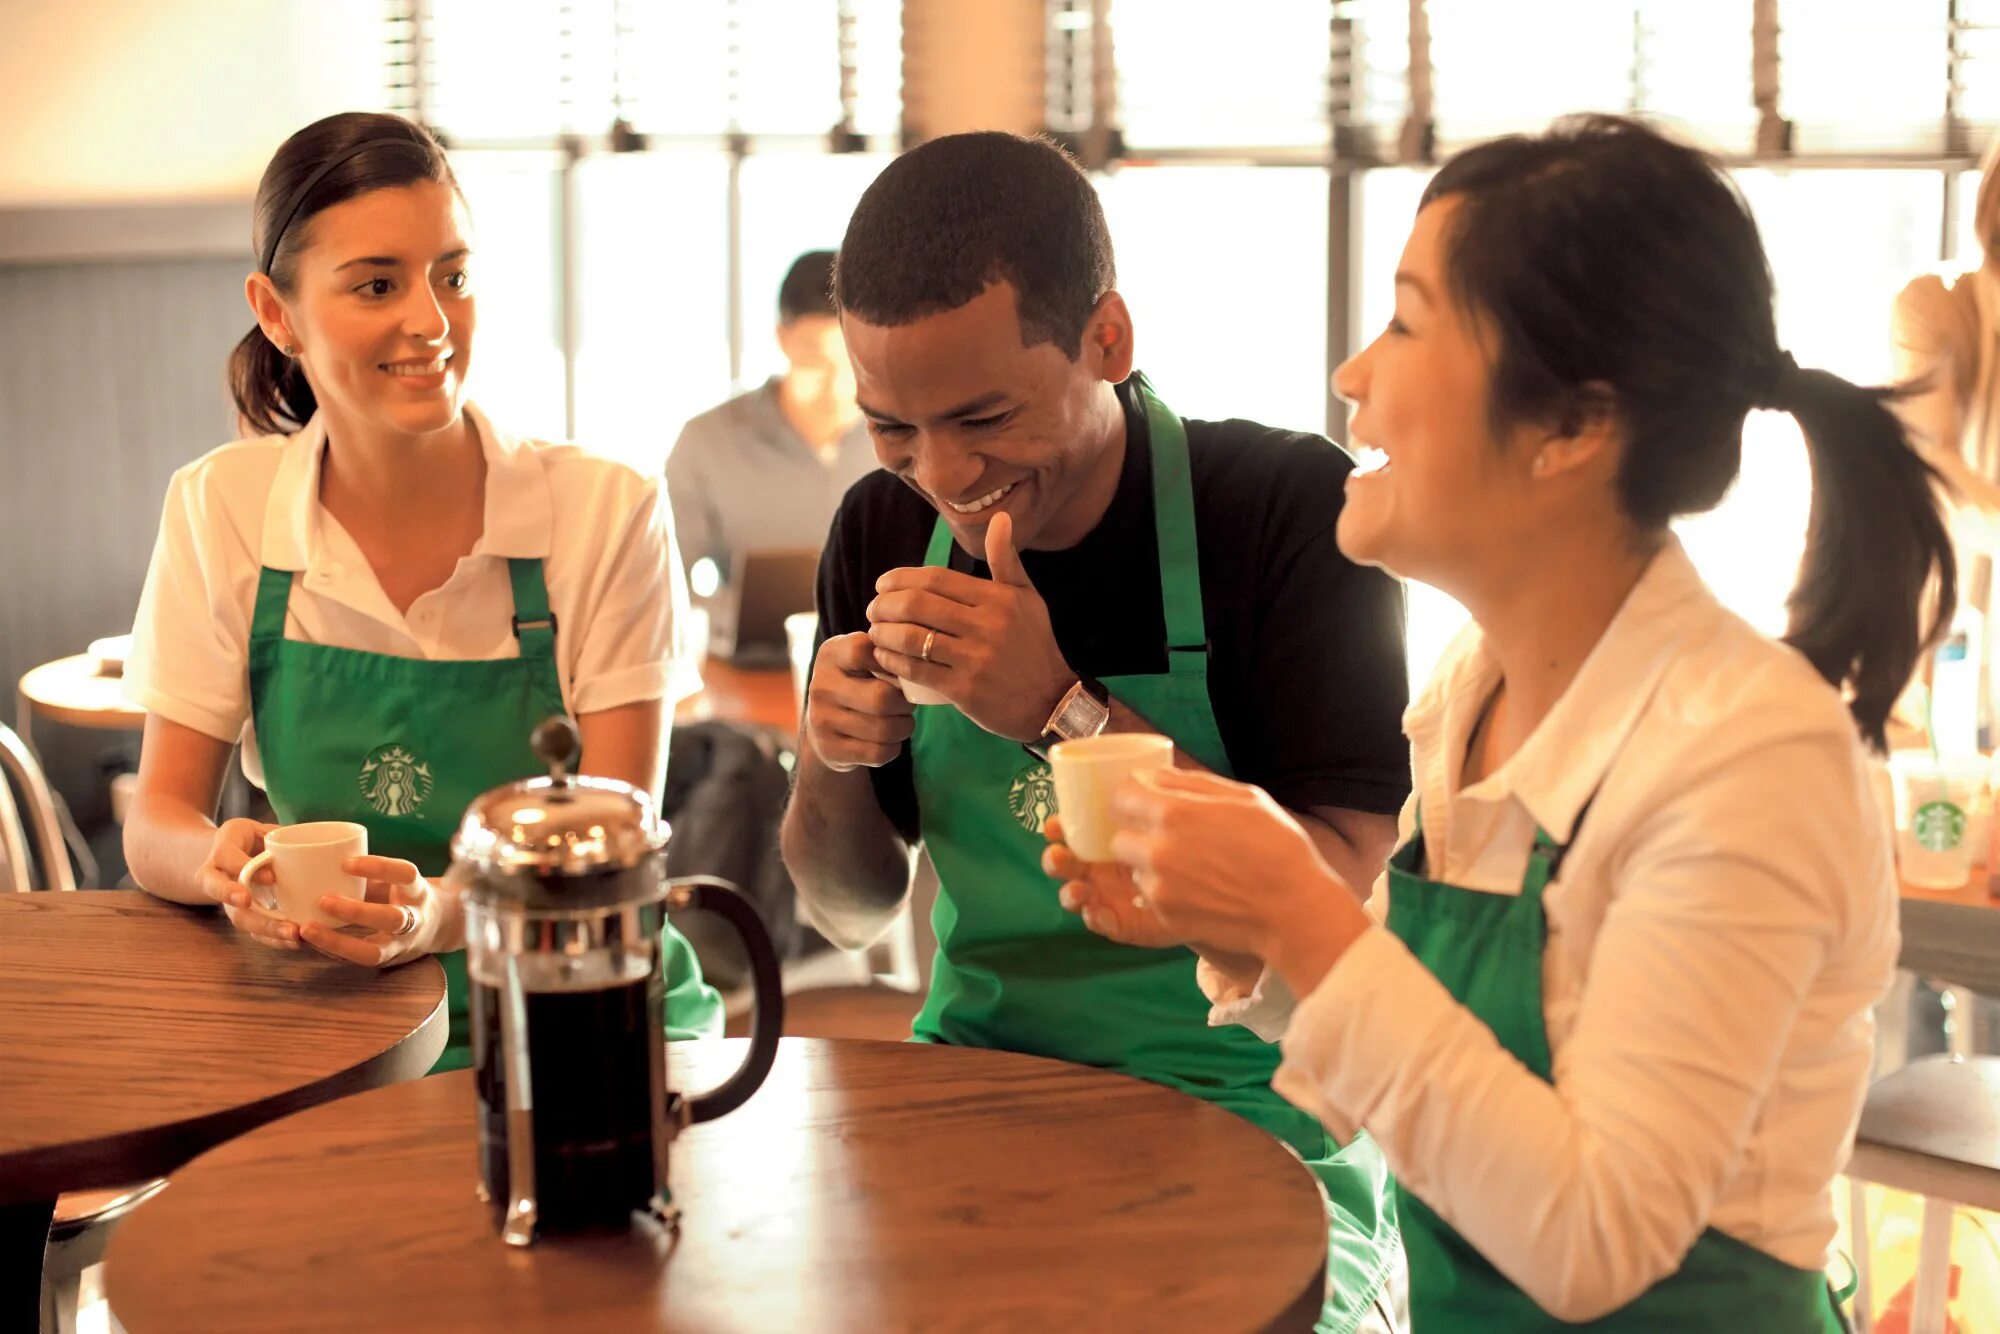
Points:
x=1609 y=1011
x=378 y=592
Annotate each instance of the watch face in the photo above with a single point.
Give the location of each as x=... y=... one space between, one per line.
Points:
x=1084 y=717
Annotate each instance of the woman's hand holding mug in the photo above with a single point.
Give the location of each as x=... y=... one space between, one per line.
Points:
x=236 y=844
x=406 y=916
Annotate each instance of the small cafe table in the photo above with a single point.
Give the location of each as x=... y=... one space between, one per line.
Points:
x=1953 y=934
x=867 y=1186
x=73 y=690
x=134 y=1034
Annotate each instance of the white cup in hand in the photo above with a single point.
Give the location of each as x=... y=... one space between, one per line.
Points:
x=916 y=694
x=1088 y=772
x=305 y=861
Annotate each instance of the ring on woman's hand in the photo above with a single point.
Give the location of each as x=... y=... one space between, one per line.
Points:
x=930 y=639
x=409 y=922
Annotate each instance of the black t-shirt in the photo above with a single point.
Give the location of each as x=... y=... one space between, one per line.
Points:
x=1305 y=672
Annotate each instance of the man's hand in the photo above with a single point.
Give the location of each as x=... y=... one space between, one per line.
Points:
x=853 y=718
x=992 y=652
x=1104 y=895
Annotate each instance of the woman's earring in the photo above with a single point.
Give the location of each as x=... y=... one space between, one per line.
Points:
x=1541 y=465
x=290 y=350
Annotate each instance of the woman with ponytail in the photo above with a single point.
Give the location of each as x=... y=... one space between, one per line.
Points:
x=379 y=593
x=1608 y=1011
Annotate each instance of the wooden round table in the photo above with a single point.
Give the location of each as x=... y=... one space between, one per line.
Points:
x=867 y=1186
x=134 y=1034
x=72 y=690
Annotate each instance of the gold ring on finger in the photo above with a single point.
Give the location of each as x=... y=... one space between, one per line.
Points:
x=930 y=640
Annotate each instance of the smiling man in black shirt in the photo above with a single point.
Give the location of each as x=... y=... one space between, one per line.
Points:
x=1052 y=552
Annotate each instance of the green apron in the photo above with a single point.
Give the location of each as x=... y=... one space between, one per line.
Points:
x=404 y=745
x=1017 y=972
x=1487 y=950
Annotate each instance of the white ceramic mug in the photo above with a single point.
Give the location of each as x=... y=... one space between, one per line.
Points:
x=801 y=634
x=306 y=861
x=916 y=694
x=1088 y=772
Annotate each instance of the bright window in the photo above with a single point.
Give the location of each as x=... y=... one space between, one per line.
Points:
x=1226 y=330
x=1195 y=74
x=1863 y=76
x=517 y=361
x=653 y=299
x=792 y=203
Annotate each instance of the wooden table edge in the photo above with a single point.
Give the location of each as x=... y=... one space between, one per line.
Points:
x=1926 y=1174
x=113 y=1160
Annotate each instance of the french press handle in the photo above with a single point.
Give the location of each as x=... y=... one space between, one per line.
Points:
x=767 y=1020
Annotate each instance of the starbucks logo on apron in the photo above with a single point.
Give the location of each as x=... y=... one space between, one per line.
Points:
x=1032 y=799
x=1938 y=825
x=394 y=782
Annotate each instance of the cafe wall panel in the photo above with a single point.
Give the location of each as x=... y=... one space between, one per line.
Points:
x=110 y=378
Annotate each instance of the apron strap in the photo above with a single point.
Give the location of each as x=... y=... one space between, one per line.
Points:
x=939 y=551
x=274 y=592
x=534 y=623
x=1173 y=528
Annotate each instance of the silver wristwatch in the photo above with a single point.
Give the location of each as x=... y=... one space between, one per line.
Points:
x=1084 y=710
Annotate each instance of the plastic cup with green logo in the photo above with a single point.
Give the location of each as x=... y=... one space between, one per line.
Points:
x=1935 y=803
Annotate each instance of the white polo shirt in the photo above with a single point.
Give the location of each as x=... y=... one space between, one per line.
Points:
x=1717 y=938
x=602 y=531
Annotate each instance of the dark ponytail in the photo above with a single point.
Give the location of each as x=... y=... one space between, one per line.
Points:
x=328 y=162
x=271 y=393
x=1607 y=257
x=1875 y=546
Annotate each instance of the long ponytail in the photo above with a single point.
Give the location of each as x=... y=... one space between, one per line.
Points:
x=1877 y=551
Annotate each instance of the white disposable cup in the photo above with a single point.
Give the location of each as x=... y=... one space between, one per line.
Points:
x=305 y=860
x=801 y=633
x=1088 y=772
x=1936 y=802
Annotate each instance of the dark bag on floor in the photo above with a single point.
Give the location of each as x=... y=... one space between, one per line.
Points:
x=726 y=789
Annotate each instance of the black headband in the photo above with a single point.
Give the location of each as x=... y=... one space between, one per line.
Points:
x=305 y=188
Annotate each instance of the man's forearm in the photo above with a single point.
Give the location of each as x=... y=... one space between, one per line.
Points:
x=851 y=867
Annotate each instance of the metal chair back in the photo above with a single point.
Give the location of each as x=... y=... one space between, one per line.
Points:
x=21 y=773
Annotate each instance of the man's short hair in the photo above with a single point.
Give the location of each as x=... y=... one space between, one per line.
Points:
x=808 y=287
x=949 y=218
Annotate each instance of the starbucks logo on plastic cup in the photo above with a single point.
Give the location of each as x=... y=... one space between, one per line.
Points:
x=1939 y=826
x=1032 y=798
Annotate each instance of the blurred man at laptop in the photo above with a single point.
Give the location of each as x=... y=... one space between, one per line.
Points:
x=767 y=469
